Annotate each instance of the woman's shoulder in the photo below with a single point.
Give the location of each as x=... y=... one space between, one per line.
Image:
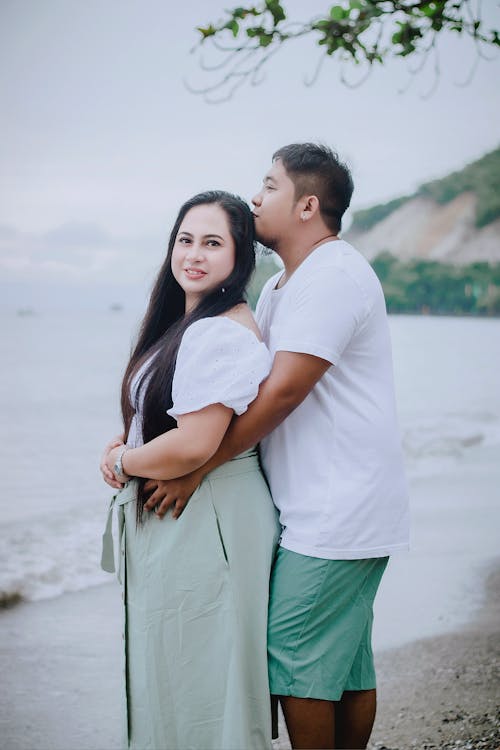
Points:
x=238 y=322
x=220 y=360
x=243 y=315
x=233 y=338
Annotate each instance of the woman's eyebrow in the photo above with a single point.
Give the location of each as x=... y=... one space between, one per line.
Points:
x=205 y=236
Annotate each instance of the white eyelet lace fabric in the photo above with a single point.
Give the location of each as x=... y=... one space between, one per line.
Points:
x=219 y=361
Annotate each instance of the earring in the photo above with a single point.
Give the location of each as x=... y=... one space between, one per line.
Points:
x=303 y=216
x=223 y=289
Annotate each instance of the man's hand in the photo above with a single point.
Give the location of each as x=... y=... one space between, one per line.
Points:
x=293 y=376
x=107 y=474
x=171 y=493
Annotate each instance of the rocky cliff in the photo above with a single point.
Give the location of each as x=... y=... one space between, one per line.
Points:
x=440 y=222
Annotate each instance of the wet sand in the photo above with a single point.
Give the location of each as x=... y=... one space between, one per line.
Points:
x=444 y=692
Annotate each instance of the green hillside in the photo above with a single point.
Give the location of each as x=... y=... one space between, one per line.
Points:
x=482 y=177
x=423 y=286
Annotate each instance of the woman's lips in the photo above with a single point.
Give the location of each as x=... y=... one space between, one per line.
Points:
x=194 y=273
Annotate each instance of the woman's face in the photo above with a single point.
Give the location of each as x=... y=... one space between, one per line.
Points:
x=204 y=253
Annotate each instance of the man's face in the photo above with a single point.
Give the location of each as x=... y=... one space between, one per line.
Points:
x=274 y=207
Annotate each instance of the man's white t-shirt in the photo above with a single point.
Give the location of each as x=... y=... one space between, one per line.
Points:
x=335 y=464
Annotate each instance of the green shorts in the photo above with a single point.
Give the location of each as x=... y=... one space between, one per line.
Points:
x=320 y=625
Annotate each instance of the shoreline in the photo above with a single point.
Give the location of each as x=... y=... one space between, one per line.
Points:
x=63 y=660
x=444 y=691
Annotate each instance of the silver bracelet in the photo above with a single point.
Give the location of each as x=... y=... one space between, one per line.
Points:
x=118 y=467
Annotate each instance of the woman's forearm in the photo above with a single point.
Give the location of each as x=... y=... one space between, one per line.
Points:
x=165 y=457
x=182 y=449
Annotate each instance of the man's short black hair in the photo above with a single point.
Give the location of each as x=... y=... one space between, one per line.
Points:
x=317 y=170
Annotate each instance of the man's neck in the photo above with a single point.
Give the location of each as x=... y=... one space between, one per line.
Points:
x=293 y=256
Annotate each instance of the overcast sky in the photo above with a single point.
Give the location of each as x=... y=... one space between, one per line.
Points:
x=101 y=141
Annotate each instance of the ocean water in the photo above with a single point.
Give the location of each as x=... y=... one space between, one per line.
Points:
x=59 y=405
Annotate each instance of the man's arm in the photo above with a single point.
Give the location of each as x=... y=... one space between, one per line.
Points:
x=292 y=377
x=179 y=451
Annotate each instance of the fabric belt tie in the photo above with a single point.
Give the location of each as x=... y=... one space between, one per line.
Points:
x=124 y=496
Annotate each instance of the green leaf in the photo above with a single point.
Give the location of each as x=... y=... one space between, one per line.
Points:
x=233 y=26
x=337 y=13
x=206 y=32
x=333 y=45
x=240 y=13
x=277 y=11
x=375 y=10
x=428 y=10
x=321 y=25
x=265 y=39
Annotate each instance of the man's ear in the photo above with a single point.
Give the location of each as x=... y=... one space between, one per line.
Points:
x=309 y=207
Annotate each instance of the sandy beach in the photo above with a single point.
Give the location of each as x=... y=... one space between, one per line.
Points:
x=444 y=692
x=60 y=666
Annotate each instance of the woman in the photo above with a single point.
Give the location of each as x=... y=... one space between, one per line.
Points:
x=196 y=588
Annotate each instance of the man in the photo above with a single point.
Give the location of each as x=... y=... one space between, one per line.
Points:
x=330 y=449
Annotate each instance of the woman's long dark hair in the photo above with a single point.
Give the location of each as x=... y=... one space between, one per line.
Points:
x=165 y=321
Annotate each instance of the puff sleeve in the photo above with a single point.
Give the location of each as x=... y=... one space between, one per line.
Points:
x=219 y=361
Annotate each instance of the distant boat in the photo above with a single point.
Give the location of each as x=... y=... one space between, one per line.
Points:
x=24 y=312
x=116 y=307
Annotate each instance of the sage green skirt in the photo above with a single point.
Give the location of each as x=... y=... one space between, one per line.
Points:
x=196 y=596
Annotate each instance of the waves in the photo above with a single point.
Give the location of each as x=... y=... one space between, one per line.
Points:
x=436 y=445
x=49 y=556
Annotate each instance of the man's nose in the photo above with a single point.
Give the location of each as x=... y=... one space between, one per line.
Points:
x=257 y=199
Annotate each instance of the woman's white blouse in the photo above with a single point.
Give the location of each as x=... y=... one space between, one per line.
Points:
x=219 y=361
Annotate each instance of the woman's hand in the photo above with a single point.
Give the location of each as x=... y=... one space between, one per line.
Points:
x=106 y=469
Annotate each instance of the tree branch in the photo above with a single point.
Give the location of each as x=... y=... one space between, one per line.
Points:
x=354 y=31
